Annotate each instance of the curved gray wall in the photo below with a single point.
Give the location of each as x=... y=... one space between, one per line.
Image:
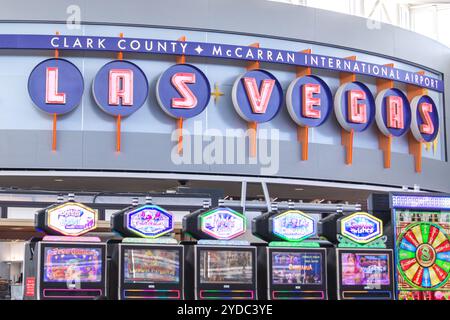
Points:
x=250 y=17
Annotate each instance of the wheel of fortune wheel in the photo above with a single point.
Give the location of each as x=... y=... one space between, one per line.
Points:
x=424 y=255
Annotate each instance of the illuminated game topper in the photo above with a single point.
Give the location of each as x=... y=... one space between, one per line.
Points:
x=293 y=225
x=149 y=221
x=361 y=227
x=222 y=223
x=71 y=219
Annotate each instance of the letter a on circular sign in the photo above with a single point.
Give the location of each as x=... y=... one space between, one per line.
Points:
x=309 y=101
x=120 y=88
x=393 y=112
x=183 y=91
x=354 y=106
x=56 y=86
x=425 y=119
x=257 y=96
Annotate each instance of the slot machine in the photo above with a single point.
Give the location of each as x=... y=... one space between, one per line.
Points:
x=421 y=229
x=65 y=264
x=147 y=263
x=364 y=266
x=295 y=260
x=223 y=267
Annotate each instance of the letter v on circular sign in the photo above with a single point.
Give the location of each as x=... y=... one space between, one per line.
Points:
x=257 y=96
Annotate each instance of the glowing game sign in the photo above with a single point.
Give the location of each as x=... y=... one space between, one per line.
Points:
x=149 y=221
x=361 y=227
x=293 y=225
x=222 y=223
x=71 y=219
x=420 y=202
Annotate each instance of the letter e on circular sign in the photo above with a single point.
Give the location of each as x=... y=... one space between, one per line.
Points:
x=257 y=96
x=354 y=106
x=393 y=112
x=56 y=86
x=361 y=227
x=293 y=225
x=309 y=101
x=71 y=219
x=183 y=91
x=425 y=119
x=149 y=221
x=120 y=88
x=222 y=223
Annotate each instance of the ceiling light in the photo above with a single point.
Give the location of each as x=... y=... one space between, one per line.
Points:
x=58 y=180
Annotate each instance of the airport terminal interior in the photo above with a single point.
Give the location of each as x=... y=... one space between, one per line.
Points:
x=254 y=150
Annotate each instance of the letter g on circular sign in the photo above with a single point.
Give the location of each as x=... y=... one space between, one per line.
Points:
x=257 y=96
x=120 y=88
x=309 y=101
x=425 y=119
x=183 y=91
x=354 y=106
x=56 y=86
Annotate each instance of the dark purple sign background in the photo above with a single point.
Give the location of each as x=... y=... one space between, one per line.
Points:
x=211 y=50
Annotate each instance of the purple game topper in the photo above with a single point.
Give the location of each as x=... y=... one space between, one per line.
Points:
x=149 y=221
x=56 y=86
x=120 y=88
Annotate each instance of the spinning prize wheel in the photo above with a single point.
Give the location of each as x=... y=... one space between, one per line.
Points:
x=424 y=255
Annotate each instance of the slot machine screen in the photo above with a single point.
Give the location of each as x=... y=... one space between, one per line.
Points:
x=365 y=273
x=63 y=264
x=363 y=269
x=296 y=268
x=226 y=266
x=151 y=265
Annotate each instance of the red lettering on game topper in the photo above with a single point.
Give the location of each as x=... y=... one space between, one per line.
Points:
x=30 y=285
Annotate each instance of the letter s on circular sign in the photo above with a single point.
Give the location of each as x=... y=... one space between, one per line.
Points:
x=309 y=101
x=120 y=88
x=393 y=112
x=257 y=96
x=425 y=119
x=183 y=91
x=354 y=106
x=56 y=86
